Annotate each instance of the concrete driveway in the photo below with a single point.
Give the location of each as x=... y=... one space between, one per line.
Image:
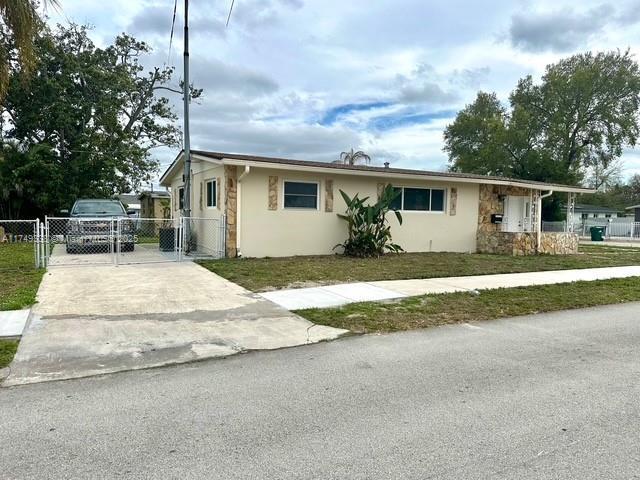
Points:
x=100 y=319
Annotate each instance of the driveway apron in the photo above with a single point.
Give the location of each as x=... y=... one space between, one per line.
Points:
x=92 y=320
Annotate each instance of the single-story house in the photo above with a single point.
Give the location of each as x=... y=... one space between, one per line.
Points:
x=635 y=210
x=151 y=203
x=131 y=203
x=584 y=212
x=282 y=207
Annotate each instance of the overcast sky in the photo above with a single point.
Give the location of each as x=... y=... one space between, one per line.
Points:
x=309 y=78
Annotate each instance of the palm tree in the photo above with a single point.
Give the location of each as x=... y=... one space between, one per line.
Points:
x=352 y=158
x=21 y=21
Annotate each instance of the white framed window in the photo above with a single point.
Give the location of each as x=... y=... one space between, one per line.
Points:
x=301 y=195
x=211 y=193
x=181 y=198
x=419 y=199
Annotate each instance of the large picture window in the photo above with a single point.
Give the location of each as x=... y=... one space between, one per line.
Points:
x=212 y=193
x=301 y=195
x=419 y=199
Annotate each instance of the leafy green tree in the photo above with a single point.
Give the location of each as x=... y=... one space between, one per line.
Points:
x=581 y=116
x=90 y=117
x=476 y=141
x=369 y=229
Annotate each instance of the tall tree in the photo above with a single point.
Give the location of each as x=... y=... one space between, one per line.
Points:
x=581 y=116
x=90 y=118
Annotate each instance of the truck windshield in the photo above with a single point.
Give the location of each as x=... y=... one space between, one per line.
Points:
x=98 y=208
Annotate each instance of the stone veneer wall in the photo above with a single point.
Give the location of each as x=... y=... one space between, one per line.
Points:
x=231 y=202
x=490 y=203
x=559 y=243
x=524 y=243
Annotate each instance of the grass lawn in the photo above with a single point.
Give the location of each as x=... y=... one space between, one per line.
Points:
x=8 y=349
x=432 y=310
x=263 y=274
x=19 y=279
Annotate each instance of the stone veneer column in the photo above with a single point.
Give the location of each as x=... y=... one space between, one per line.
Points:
x=453 y=202
x=328 y=195
x=231 y=202
x=273 y=192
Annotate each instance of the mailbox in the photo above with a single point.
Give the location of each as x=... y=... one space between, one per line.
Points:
x=496 y=218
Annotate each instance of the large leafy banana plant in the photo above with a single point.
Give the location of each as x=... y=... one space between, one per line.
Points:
x=369 y=229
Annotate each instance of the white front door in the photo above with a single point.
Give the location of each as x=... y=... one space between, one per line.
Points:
x=515 y=214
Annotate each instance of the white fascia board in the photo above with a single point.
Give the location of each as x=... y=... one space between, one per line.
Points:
x=404 y=176
x=170 y=173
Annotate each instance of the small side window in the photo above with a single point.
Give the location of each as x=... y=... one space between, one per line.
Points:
x=181 y=198
x=212 y=193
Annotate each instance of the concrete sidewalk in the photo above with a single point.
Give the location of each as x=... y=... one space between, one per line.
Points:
x=342 y=294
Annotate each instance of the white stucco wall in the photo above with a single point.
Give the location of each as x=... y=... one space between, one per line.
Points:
x=285 y=232
x=207 y=220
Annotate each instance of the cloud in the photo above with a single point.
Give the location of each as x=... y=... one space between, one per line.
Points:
x=403 y=119
x=426 y=92
x=423 y=85
x=560 y=30
x=156 y=21
x=217 y=77
x=287 y=139
x=339 y=112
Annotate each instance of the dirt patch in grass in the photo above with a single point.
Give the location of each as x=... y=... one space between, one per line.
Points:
x=19 y=279
x=431 y=310
x=8 y=349
x=263 y=274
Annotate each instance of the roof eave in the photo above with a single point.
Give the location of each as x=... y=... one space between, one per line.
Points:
x=416 y=176
x=170 y=171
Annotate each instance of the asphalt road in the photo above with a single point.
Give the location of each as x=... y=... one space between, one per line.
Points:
x=549 y=396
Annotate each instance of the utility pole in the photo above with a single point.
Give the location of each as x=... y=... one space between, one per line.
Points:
x=186 y=211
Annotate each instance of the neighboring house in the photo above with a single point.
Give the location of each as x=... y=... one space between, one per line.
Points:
x=583 y=212
x=151 y=203
x=635 y=209
x=131 y=203
x=280 y=207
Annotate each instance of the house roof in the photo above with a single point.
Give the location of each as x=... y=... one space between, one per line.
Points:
x=130 y=199
x=154 y=194
x=581 y=207
x=368 y=170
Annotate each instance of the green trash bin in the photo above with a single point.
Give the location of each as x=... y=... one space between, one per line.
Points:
x=597 y=234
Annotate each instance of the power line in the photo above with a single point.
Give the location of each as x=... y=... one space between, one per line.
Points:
x=173 y=23
x=230 y=10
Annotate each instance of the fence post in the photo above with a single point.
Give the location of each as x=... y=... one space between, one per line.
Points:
x=41 y=245
x=179 y=240
x=115 y=245
x=36 y=247
x=47 y=246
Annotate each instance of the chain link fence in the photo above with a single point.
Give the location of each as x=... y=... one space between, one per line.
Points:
x=113 y=240
x=148 y=240
x=204 y=237
x=19 y=238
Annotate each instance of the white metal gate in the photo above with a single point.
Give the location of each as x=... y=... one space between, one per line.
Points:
x=124 y=240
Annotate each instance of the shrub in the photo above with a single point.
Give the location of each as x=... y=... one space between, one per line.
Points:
x=369 y=229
